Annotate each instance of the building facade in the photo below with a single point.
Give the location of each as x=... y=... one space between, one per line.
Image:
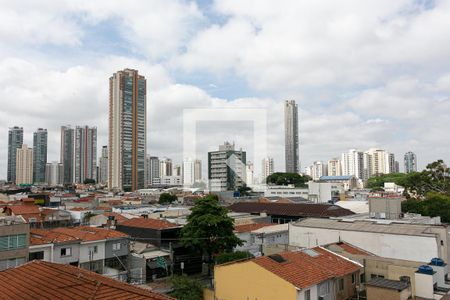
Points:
x=291 y=137
x=353 y=164
x=54 y=174
x=85 y=154
x=410 y=162
x=127 y=130
x=334 y=167
x=267 y=168
x=39 y=155
x=24 y=165
x=67 y=153
x=15 y=141
x=165 y=167
x=188 y=172
x=14 y=237
x=103 y=166
x=226 y=168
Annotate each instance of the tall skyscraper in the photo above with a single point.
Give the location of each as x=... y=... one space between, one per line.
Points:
x=127 y=130
x=85 y=154
x=291 y=137
x=39 y=155
x=54 y=173
x=24 y=165
x=318 y=169
x=15 y=141
x=153 y=170
x=267 y=168
x=226 y=168
x=103 y=166
x=410 y=162
x=165 y=167
x=177 y=171
x=381 y=162
x=188 y=172
x=67 y=154
x=334 y=167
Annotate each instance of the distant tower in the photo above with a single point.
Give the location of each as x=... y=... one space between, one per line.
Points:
x=24 y=165
x=197 y=170
x=291 y=137
x=103 y=166
x=226 y=168
x=410 y=162
x=67 y=154
x=127 y=130
x=267 y=168
x=54 y=174
x=39 y=155
x=85 y=154
x=15 y=141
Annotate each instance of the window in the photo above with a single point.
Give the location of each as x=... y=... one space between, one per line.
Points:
x=341 y=284
x=9 y=242
x=353 y=278
x=308 y=295
x=116 y=246
x=36 y=255
x=66 y=251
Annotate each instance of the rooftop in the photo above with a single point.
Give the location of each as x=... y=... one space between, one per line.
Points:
x=250 y=227
x=377 y=226
x=336 y=177
x=66 y=234
x=45 y=280
x=292 y=209
x=308 y=267
x=388 y=284
x=148 y=223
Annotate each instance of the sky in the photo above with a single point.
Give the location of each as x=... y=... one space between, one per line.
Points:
x=364 y=74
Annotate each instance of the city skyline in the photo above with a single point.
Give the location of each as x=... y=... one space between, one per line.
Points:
x=374 y=97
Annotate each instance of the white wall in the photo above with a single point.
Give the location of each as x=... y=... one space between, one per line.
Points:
x=313 y=289
x=416 y=248
x=84 y=251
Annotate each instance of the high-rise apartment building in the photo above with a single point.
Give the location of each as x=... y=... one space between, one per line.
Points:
x=85 y=154
x=15 y=141
x=197 y=170
x=103 y=166
x=410 y=161
x=177 y=170
x=226 y=168
x=165 y=167
x=39 y=155
x=24 y=165
x=67 y=154
x=267 y=168
x=54 y=173
x=127 y=130
x=291 y=137
x=153 y=170
x=249 y=174
x=352 y=163
x=318 y=169
x=188 y=172
x=381 y=162
x=334 y=167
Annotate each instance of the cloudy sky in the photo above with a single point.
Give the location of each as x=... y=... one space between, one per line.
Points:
x=364 y=73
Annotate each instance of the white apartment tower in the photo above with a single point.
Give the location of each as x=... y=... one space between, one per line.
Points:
x=410 y=162
x=334 y=167
x=24 y=165
x=352 y=163
x=127 y=142
x=267 y=168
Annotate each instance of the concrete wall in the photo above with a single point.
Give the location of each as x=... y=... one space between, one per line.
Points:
x=247 y=280
x=85 y=248
x=14 y=229
x=75 y=257
x=416 y=248
x=124 y=249
x=376 y=293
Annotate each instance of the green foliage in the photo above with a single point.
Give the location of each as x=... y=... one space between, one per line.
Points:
x=434 y=204
x=244 y=190
x=232 y=256
x=166 y=198
x=186 y=288
x=377 y=182
x=280 y=178
x=209 y=229
x=89 y=181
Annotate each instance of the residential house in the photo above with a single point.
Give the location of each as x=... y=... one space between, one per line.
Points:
x=299 y=275
x=382 y=289
x=259 y=235
x=46 y=280
x=14 y=235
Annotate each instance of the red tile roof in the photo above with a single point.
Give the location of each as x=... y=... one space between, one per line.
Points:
x=45 y=280
x=65 y=234
x=24 y=209
x=352 y=249
x=148 y=223
x=301 y=210
x=118 y=217
x=250 y=227
x=304 y=270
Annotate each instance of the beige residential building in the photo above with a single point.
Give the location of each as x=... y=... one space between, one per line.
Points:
x=334 y=167
x=24 y=165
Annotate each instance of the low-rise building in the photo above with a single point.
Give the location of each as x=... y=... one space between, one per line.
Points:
x=382 y=289
x=14 y=236
x=285 y=191
x=298 y=275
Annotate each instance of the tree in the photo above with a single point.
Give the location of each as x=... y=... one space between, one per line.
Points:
x=244 y=190
x=209 y=229
x=377 y=182
x=280 y=178
x=232 y=256
x=434 y=204
x=166 y=198
x=186 y=288
x=435 y=178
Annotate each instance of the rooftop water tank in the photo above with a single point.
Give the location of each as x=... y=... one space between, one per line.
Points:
x=425 y=270
x=437 y=262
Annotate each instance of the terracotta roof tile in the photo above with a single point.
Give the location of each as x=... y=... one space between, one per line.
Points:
x=118 y=217
x=352 y=249
x=45 y=280
x=148 y=223
x=47 y=236
x=304 y=270
x=65 y=234
x=250 y=227
x=24 y=209
x=301 y=210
